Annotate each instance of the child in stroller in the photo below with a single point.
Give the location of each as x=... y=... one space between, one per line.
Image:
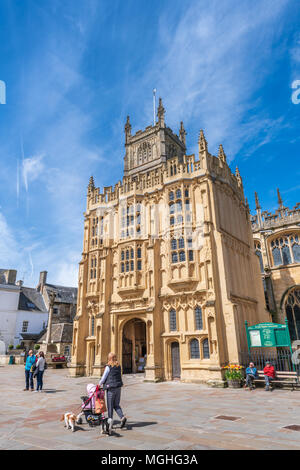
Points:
x=89 y=409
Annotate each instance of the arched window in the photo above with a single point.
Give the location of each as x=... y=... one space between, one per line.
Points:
x=194 y=349
x=205 y=349
x=172 y=320
x=286 y=249
x=292 y=308
x=198 y=318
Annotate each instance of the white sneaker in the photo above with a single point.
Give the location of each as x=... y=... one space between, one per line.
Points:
x=110 y=425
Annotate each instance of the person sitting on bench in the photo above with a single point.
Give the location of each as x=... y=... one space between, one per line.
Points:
x=251 y=374
x=269 y=373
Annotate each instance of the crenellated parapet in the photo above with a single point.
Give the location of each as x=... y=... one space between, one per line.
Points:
x=176 y=166
x=283 y=216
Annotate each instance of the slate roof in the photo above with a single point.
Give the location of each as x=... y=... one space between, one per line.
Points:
x=32 y=300
x=2 y=276
x=67 y=295
x=60 y=333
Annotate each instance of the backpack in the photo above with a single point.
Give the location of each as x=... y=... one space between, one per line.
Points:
x=32 y=368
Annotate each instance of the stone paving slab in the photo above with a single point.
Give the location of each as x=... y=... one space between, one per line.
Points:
x=162 y=416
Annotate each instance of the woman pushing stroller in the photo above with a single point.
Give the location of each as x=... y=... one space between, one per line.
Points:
x=111 y=381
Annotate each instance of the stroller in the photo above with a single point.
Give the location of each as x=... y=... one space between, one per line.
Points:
x=90 y=409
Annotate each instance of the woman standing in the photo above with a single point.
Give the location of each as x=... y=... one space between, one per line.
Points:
x=40 y=367
x=112 y=383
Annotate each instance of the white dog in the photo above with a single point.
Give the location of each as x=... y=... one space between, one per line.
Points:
x=70 y=420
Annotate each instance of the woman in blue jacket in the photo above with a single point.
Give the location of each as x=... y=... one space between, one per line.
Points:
x=112 y=383
x=30 y=361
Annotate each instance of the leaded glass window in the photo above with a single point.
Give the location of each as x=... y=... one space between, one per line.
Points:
x=194 y=349
x=205 y=349
x=198 y=318
x=286 y=250
x=292 y=308
x=172 y=320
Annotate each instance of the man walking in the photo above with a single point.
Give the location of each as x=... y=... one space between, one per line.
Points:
x=30 y=361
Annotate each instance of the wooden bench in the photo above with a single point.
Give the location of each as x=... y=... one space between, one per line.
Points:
x=281 y=377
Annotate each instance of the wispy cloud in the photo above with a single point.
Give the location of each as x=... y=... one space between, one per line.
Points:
x=209 y=66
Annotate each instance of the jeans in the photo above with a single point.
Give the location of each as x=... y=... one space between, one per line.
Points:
x=268 y=380
x=113 y=402
x=39 y=380
x=249 y=380
x=29 y=378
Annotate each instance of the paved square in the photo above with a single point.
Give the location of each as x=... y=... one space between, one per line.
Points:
x=168 y=415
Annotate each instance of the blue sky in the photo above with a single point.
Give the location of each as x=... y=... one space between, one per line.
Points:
x=74 y=69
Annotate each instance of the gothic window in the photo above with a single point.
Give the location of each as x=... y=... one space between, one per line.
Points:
x=292 y=308
x=198 y=318
x=171 y=196
x=172 y=320
x=128 y=254
x=286 y=250
x=194 y=349
x=205 y=349
x=179 y=250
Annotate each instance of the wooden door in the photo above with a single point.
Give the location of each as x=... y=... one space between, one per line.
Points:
x=175 y=354
x=127 y=356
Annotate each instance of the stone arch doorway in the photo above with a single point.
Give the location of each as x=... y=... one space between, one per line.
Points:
x=134 y=346
x=175 y=360
x=292 y=311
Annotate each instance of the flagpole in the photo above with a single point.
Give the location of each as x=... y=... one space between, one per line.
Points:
x=154 y=105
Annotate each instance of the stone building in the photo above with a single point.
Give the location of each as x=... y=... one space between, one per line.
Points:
x=168 y=271
x=23 y=313
x=277 y=244
x=64 y=310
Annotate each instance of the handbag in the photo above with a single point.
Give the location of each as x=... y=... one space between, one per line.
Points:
x=100 y=405
x=33 y=368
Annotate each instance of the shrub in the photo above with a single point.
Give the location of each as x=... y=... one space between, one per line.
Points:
x=11 y=346
x=37 y=347
x=18 y=346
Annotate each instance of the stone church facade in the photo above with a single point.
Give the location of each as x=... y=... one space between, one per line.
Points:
x=277 y=245
x=168 y=274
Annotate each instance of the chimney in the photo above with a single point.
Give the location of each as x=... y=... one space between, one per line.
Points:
x=42 y=280
x=11 y=276
x=19 y=283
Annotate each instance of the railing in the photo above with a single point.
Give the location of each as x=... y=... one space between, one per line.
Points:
x=281 y=359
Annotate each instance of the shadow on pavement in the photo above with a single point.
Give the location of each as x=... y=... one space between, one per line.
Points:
x=140 y=424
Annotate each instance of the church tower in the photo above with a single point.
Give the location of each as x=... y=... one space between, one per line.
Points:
x=168 y=274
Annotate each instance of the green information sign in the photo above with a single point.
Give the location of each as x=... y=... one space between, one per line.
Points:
x=268 y=335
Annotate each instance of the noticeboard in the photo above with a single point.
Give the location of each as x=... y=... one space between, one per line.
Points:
x=268 y=335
